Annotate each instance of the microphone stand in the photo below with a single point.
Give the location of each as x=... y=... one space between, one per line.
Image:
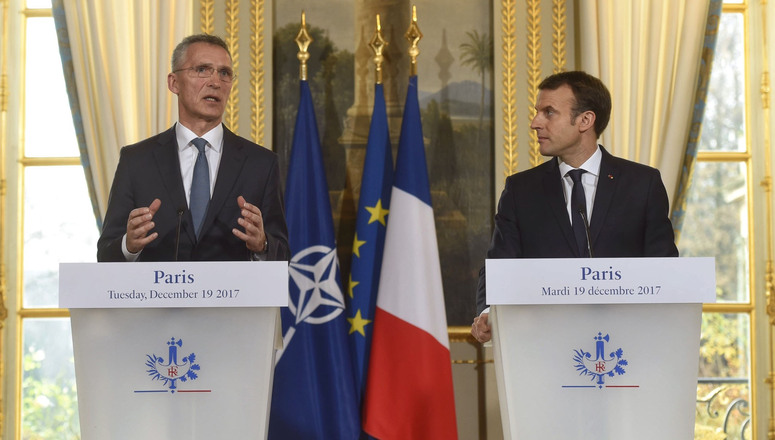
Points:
x=177 y=232
x=583 y=213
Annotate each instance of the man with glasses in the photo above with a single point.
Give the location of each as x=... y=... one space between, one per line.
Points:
x=197 y=191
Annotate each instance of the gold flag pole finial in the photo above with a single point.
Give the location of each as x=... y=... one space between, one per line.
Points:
x=303 y=40
x=378 y=45
x=414 y=35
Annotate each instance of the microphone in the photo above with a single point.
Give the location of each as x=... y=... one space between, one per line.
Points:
x=177 y=231
x=583 y=214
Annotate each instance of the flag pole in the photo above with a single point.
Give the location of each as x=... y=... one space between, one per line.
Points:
x=413 y=35
x=378 y=45
x=303 y=40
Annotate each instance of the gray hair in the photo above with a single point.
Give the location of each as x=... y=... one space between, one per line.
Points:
x=182 y=47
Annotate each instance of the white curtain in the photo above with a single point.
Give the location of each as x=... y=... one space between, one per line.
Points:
x=647 y=52
x=121 y=53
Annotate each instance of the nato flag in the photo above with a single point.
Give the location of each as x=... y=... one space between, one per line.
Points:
x=314 y=393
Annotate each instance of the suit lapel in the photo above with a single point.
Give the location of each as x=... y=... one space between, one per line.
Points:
x=168 y=164
x=554 y=194
x=604 y=194
x=232 y=160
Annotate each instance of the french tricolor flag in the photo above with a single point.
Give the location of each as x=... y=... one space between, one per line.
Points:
x=409 y=392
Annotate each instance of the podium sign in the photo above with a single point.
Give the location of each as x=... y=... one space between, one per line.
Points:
x=174 y=350
x=598 y=348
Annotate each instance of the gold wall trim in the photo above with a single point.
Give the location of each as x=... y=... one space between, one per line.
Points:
x=207 y=16
x=533 y=71
x=472 y=361
x=231 y=119
x=460 y=334
x=4 y=87
x=4 y=98
x=257 y=73
x=559 y=35
x=769 y=276
x=509 y=78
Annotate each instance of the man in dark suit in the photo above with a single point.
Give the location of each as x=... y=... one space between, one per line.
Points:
x=196 y=191
x=624 y=203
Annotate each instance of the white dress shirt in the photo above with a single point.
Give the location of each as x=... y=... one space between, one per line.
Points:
x=187 y=154
x=588 y=179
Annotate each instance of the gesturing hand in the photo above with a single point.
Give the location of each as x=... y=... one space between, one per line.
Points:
x=138 y=225
x=253 y=222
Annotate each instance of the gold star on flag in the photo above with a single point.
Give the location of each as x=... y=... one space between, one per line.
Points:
x=352 y=285
x=358 y=324
x=377 y=213
x=357 y=246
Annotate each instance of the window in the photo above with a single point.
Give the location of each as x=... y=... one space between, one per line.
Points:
x=718 y=223
x=55 y=225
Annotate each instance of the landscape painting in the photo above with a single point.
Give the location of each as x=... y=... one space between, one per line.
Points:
x=455 y=83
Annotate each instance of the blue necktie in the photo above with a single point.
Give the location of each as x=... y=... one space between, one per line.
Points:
x=578 y=203
x=200 y=186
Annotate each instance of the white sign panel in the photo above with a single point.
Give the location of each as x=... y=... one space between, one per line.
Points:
x=600 y=281
x=590 y=372
x=159 y=374
x=173 y=284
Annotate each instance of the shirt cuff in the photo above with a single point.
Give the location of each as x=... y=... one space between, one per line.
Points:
x=128 y=255
x=261 y=256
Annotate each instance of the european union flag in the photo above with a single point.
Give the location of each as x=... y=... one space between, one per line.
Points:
x=369 y=239
x=314 y=393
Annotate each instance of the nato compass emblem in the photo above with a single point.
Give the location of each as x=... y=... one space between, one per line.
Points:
x=316 y=296
x=601 y=364
x=172 y=370
x=314 y=272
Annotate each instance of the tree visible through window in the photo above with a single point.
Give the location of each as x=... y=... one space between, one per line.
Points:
x=57 y=226
x=717 y=225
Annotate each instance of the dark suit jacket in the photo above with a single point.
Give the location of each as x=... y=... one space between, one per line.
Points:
x=150 y=169
x=629 y=216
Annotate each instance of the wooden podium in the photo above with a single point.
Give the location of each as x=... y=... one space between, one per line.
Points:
x=174 y=350
x=598 y=348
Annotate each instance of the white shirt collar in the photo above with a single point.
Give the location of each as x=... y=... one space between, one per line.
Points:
x=591 y=166
x=213 y=137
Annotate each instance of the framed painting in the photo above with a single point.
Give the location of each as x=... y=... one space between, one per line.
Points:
x=479 y=65
x=455 y=93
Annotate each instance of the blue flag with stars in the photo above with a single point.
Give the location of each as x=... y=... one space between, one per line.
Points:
x=369 y=238
x=314 y=394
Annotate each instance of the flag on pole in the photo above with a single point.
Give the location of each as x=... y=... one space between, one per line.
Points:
x=409 y=392
x=314 y=393
x=369 y=241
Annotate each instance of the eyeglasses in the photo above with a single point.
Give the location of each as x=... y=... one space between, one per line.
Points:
x=225 y=75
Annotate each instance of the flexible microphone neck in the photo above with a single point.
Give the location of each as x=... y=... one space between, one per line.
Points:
x=583 y=214
x=177 y=232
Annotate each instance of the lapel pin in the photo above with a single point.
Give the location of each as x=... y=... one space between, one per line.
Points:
x=611 y=177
